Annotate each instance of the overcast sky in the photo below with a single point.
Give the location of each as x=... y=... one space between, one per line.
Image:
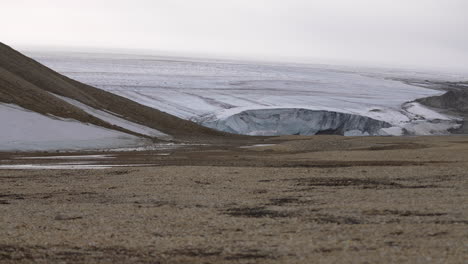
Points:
x=426 y=33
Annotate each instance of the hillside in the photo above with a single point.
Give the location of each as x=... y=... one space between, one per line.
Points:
x=454 y=102
x=27 y=83
x=31 y=86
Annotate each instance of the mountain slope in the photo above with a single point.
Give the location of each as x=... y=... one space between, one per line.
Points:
x=32 y=86
x=454 y=101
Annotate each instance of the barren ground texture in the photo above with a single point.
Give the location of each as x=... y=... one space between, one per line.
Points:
x=323 y=199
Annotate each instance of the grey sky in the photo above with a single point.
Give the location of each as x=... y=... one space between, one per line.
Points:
x=425 y=33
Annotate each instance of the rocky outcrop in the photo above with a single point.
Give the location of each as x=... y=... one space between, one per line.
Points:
x=454 y=101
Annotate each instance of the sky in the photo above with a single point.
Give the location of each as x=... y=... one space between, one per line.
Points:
x=413 y=33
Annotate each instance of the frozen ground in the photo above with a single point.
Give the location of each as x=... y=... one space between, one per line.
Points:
x=214 y=93
x=25 y=130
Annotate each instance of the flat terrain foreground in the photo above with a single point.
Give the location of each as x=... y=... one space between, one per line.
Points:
x=317 y=199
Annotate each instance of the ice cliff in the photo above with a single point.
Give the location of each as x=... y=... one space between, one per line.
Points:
x=291 y=121
x=266 y=98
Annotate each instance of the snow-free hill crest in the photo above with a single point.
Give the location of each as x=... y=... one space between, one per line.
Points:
x=31 y=91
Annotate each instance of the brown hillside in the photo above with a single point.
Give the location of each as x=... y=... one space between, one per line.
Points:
x=27 y=83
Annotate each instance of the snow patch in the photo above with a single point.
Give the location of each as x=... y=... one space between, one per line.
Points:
x=153 y=147
x=23 y=130
x=417 y=111
x=71 y=157
x=392 y=131
x=66 y=166
x=113 y=119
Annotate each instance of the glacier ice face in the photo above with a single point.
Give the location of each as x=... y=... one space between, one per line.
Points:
x=219 y=93
x=293 y=121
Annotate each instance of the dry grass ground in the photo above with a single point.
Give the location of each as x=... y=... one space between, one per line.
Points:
x=305 y=200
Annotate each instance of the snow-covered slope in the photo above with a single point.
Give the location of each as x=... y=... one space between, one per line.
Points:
x=44 y=110
x=113 y=119
x=218 y=93
x=26 y=130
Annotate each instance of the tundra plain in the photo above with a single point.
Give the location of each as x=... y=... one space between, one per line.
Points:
x=322 y=199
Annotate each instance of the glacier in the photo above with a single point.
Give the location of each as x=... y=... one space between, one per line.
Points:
x=259 y=98
x=271 y=122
